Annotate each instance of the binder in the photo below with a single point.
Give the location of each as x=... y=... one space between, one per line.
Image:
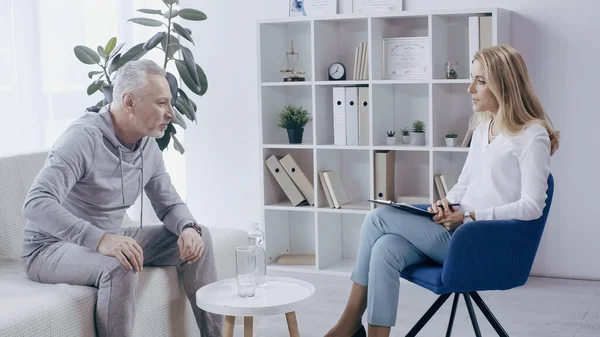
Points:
x=351 y=116
x=326 y=190
x=286 y=183
x=384 y=175
x=473 y=39
x=339 y=116
x=363 y=116
x=299 y=178
x=338 y=193
x=485 y=32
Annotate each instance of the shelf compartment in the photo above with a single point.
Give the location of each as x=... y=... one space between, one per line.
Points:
x=449 y=164
x=273 y=100
x=396 y=106
x=454 y=28
x=336 y=41
x=452 y=110
x=276 y=40
x=353 y=168
x=288 y=232
x=274 y=195
x=338 y=241
x=411 y=174
x=394 y=27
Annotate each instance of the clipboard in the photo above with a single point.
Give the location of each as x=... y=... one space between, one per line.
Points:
x=403 y=206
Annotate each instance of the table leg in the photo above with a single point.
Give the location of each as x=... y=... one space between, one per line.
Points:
x=248 y=326
x=229 y=325
x=292 y=324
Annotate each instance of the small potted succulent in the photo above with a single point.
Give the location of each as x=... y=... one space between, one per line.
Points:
x=405 y=136
x=450 y=139
x=417 y=136
x=293 y=119
x=391 y=137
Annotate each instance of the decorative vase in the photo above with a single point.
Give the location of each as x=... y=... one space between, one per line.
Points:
x=450 y=141
x=417 y=138
x=391 y=140
x=406 y=139
x=295 y=135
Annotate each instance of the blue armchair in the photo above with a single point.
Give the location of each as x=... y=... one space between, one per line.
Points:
x=483 y=255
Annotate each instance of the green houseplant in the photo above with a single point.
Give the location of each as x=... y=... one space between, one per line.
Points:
x=405 y=136
x=294 y=119
x=391 y=137
x=417 y=136
x=450 y=139
x=109 y=59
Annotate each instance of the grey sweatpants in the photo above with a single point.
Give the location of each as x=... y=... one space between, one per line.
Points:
x=65 y=262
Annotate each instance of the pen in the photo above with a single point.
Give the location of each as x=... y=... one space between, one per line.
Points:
x=182 y=263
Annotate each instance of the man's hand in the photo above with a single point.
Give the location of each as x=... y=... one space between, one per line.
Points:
x=446 y=216
x=123 y=248
x=190 y=245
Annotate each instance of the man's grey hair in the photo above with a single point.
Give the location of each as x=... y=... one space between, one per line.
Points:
x=133 y=77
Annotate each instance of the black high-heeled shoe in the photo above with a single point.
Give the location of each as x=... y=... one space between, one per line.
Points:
x=361 y=332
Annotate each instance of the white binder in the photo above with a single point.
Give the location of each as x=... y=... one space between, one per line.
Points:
x=352 y=116
x=299 y=178
x=337 y=191
x=363 y=116
x=286 y=183
x=339 y=116
x=384 y=175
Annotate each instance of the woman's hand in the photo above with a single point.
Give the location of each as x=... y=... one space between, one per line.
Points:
x=445 y=215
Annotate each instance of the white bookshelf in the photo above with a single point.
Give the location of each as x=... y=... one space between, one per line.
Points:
x=445 y=106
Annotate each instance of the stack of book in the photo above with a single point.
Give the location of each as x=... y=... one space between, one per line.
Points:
x=296 y=186
x=361 y=64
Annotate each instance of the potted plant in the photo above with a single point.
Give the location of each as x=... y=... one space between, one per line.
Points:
x=391 y=137
x=405 y=136
x=450 y=139
x=417 y=137
x=294 y=119
x=110 y=58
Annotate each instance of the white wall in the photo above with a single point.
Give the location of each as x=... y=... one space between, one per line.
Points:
x=558 y=41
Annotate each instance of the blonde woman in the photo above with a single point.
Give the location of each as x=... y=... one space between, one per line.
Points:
x=504 y=177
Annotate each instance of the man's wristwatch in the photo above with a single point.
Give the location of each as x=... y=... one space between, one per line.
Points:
x=195 y=227
x=467 y=218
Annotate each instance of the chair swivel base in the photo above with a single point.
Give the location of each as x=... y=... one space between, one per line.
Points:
x=440 y=301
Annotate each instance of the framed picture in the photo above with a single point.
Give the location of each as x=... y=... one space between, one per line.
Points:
x=376 y=6
x=406 y=58
x=313 y=7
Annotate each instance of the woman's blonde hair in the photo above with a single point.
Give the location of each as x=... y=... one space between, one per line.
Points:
x=507 y=77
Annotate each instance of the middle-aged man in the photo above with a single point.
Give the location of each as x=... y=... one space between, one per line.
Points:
x=76 y=205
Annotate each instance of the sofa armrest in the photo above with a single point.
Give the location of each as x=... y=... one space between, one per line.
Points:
x=491 y=254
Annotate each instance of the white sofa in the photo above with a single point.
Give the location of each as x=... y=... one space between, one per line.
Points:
x=28 y=308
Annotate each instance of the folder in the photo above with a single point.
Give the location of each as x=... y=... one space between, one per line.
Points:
x=485 y=32
x=338 y=193
x=363 y=116
x=352 y=116
x=326 y=190
x=339 y=116
x=473 y=39
x=286 y=183
x=299 y=178
x=384 y=175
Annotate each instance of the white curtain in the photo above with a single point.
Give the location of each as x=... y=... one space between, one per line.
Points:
x=43 y=85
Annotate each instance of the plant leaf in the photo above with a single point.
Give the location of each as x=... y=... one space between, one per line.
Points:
x=181 y=31
x=154 y=40
x=146 y=22
x=116 y=50
x=107 y=90
x=169 y=2
x=190 y=113
x=163 y=142
x=150 y=11
x=110 y=46
x=178 y=118
x=190 y=63
x=169 y=15
x=187 y=99
x=192 y=14
x=186 y=78
x=86 y=55
x=173 y=45
x=135 y=53
x=177 y=145
x=173 y=86
x=95 y=72
x=101 y=52
x=92 y=88
x=114 y=64
x=203 y=80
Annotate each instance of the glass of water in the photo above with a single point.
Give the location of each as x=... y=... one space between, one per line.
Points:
x=245 y=262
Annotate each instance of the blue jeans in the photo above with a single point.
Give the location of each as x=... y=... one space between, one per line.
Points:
x=391 y=240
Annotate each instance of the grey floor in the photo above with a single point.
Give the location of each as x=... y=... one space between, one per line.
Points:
x=542 y=308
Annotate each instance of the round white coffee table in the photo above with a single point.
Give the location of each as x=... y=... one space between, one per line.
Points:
x=280 y=295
